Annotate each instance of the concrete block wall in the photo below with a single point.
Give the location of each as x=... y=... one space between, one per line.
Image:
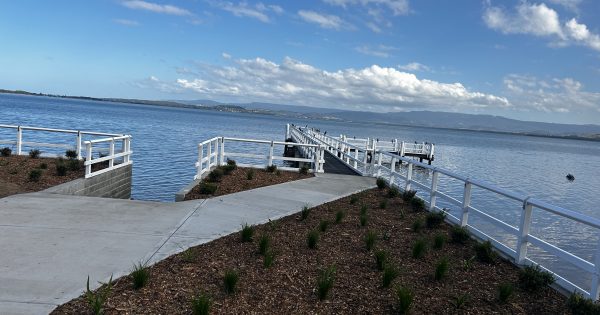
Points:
x=113 y=184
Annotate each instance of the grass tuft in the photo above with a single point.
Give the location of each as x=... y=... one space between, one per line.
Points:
x=269 y=258
x=381 y=257
x=363 y=209
x=71 y=154
x=353 y=199
x=390 y=273
x=505 y=290
x=404 y=296
x=247 y=233
x=419 y=249
x=393 y=192
x=215 y=175
x=325 y=282
x=438 y=241
x=35 y=175
x=201 y=304
x=61 y=169
x=408 y=195
x=533 y=278
x=417 y=204
x=441 y=269
x=250 y=174
x=484 y=252
x=323 y=225
x=381 y=184
x=312 y=239
x=230 y=281
x=460 y=302
x=303 y=170
x=140 y=276
x=434 y=219
x=5 y=152
x=339 y=216
x=417 y=225
x=43 y=166
x=35 y=153
x=370 y=239
x=208 y=188
x=96 y=300
x=271 y=168
x=264 y=243
x=383 y=204
x=304 y=213
x=363 y=219
x=459 y=234
x=580 y=305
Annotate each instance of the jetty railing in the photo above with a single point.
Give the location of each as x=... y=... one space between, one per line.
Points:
x=114 y=158
x=383 y=165
x=400 y=147
x=213 y=153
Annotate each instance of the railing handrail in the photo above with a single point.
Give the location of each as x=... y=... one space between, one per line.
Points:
x=112 y=156
x=91 y=133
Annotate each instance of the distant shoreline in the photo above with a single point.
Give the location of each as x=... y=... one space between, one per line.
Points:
x=240 y=109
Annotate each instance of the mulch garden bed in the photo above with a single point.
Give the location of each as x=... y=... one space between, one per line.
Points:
x=289 y=285
x=15 y=174
x=238 y=180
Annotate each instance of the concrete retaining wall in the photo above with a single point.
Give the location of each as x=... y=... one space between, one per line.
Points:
x=113 y=184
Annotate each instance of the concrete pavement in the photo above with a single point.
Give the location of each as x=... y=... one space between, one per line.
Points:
x=50 y=243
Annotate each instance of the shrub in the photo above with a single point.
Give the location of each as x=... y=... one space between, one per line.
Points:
x=484 y=252
x=312 y=239
x=34 y=153
x=381 y=184
x=325 y=282
x=5 y=152
x=71 y=154
x=441 y=269
x=228 y=169
x=353 y=199
x=250 y=174
x=247 y=233
x=263 y=244
x=408 y=195
x=534 y=278
x=363 y=219
x=96 y=300
x=61 y=169
x=468 y=263
x=393 y=192
x=323 y=225
x=232 y=163
x=434 y=219
x=201 y=304
x=339 y=216
x=189 y=255
x=460 y=301
x=505 y=290
x=269 y=258
x=419 y=248
x=438 y=241
x=363 y=209
x=35 y=175
x=417 y=204
x=140 y=276
x=215 y=175
x=582 y=306
x=304 y=213
x=383 y=204
x=271 y=168
x=303 y=170
x=74 y=165
x=370 y=239
x=459 y=234
x=381 y=257
x=405 y=299
x=390 y=273
x=417 y=225
x=43 y=166
x=230 y=281
x=208 y=188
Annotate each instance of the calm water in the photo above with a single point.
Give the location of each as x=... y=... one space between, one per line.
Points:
x=165 y=149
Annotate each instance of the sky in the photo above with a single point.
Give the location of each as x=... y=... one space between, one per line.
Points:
x=530 y=60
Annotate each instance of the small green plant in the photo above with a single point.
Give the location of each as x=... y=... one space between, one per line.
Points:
x=353 y=199
x=189 y=255
x=404 y=296
x=71 y=154
x=61 y=169
x=215 y=175
x=325 y=282
x=312 y=239
x=250 y=174
x=468 y=263
x=278 y=172
x=459 y=302
x=363 y=209
x=43 y=166
x=438 y=241
x=323 y=225
x=417 y=204
x=484 y=252
x=34 y=153
x=383 y=204
x=381 y=257
x=339 y=216
x=271 y=168
x=201 y=304
x=264 y=243
x=268 y=258
x=232 y=163
x=247 y=233
x=381 y=184
x=505 y=290
x=74 y=165
x=305 y=212
x=140 y=275
x=419 y=248
x=408 y=195
x=533 y=278
x=230 y=281
x=35 y=175
x=370 y=239
x=5 y=152
x=208 y=188
x=459 y=234
x=441 y=269
x=579 y=305
x=363 y=219
x=228 y=169
x=303 y=170
x=434 y=219
x=417 y=225
x=390 y=273
x=96 y=300
x=393 y=192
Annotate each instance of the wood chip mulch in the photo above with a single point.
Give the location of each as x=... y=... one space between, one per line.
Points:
x=289 y=286
x=237 y=181
x=14 y=174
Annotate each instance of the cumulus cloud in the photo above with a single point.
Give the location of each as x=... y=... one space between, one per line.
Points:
x=540 y=20
x=414 y=66
x=572 y=5
x=397 y=7
x=559 y=95
x=323 y=20
x=294 y=82
x=258 y=11
x=154 y=7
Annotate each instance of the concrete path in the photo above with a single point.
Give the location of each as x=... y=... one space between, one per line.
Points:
x=50 y=243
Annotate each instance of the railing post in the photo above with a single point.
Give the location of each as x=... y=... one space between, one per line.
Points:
x=19 y=140
x=355 y=157
x=199 y=167
x=78 y=145
x=402 y=149
x=433 y=194
x=270 y=158
x=466 y=203
x=209 y=152
x=522 y=241
x=409 y=177
x=127 y=149
x=111 y=153
x=316 y=162
x=379 y=156
x=287 y=131
x=221 y=150
x=88 y=158
x=392 y=170
x=322 y=161
x=595 y=290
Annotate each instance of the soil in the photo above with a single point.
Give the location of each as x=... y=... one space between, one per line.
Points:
x=14 y=174
x=289 y=285
x=237 y=181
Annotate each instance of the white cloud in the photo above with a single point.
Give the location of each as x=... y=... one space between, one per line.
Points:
x=226 y=55
x=258 y=11
x=323 y=20
x=414 y=66
x=542 y=21
x=157 y=8
x=397 y=7
x=572 y=5
x=373 y=27
x=294 y=82
x=381 y=51
x=126 y=22
x=559 y=95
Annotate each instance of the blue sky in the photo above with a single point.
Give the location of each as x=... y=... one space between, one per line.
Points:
x=533 y=60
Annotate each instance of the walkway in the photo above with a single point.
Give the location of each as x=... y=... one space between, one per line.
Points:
x=334 y=166
x=50 y=243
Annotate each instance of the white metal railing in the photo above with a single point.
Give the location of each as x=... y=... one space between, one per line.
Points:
x=213 y=152
x=402 y=148
x=114 y=158
x=384 y=165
